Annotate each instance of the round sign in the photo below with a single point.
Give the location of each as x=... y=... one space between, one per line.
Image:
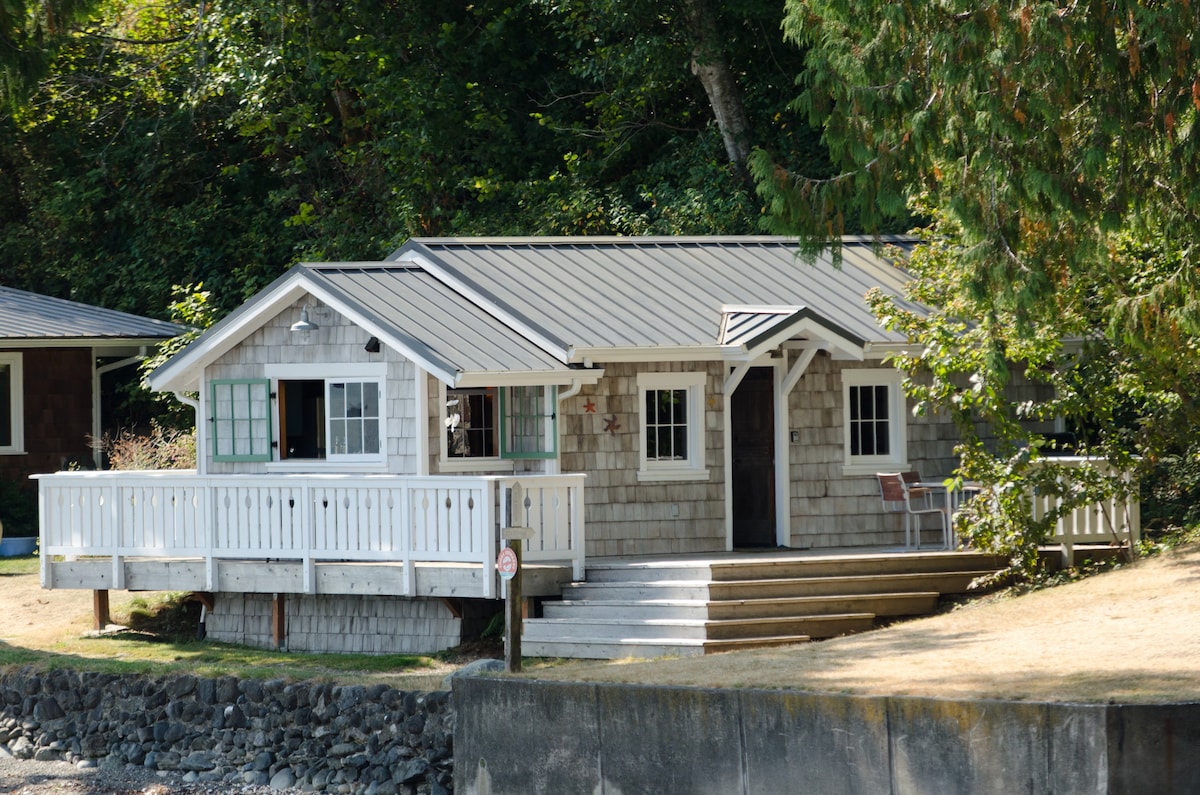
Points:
x=506 y=563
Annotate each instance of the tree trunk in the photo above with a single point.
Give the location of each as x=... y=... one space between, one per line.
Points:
x=711 y=67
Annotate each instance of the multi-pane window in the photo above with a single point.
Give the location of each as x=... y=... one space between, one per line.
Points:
x=471 y=420
x=528 y=418
x=666 y=424
x=869 y=420
x=335 y=419
x=354 y=417
x=241 y=420
x=330 y=419
x=671 y=428
x=495 y=422
x=873 y=420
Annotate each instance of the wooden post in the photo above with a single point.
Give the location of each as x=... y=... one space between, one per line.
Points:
x=513 y=620
x=514 y=601
x=279 y=622
x=100 y=615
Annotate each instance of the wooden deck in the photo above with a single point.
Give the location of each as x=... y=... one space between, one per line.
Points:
x=437 y=580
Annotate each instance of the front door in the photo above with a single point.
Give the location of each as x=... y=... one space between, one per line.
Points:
x=753 y=427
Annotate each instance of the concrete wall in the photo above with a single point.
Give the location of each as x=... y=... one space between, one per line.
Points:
x=550 y=737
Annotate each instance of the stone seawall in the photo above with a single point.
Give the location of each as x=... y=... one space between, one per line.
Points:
x=319 y=736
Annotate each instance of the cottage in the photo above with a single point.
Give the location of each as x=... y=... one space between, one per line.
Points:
x=366 y=430
x=53 y=354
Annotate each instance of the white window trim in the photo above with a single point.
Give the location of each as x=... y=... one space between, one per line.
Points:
x=17 y=398
x=368 y=371
x=693 y=468
x=897 y=461
x=470 y=464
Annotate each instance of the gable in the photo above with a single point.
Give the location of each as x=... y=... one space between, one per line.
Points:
x=442 y=331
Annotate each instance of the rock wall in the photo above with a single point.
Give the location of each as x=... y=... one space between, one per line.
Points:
x=316 y=736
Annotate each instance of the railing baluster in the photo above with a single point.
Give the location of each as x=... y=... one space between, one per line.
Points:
x=453 y=518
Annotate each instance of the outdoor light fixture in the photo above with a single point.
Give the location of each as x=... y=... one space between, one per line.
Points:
x=304 y=325
x=372 y=345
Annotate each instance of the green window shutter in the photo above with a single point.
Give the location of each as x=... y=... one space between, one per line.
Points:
x=528 y=422
x=241 y=420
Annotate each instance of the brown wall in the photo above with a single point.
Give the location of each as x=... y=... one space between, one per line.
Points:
x=58 y=412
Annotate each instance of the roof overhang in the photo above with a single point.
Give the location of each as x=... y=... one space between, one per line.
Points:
x=182 y=373
x=103 y=346
x=564 y=377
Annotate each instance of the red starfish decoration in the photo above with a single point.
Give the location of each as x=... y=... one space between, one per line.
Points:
x=611 y=425
x=589 y=407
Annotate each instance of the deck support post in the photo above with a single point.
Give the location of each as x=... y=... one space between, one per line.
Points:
x=514 y=602
x=279 y=622
x=101 y=617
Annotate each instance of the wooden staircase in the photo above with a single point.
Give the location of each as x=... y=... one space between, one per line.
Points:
x=689 y=606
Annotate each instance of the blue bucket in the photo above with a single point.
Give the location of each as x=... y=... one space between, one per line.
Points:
x=17 y=547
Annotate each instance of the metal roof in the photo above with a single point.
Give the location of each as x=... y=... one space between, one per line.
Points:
x=620 y=293
x=26 y=316
x=428 y=316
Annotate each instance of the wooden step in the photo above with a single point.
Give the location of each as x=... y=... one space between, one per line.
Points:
x=941 y=582
x=893 y=604
x=815 y=626
x=749 y=568
x=606 y=649
x=949 y=582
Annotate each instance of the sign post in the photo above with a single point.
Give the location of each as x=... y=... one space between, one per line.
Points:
x=508 y=564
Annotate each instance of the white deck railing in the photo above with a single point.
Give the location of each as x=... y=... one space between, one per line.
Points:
x=311 y=518
x=1113 y=521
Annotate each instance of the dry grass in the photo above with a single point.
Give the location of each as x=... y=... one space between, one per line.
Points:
x=1131 y=635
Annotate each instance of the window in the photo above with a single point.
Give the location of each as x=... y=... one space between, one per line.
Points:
x=334 y=420
x=12 y=404
x=874 y=421
x=529 y=422
x=241 y=420
x=471 y=421
x=337 y=418
x=500 y=423
x=672 y=429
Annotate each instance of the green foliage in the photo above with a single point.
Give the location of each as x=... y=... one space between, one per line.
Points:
x=18 y=510
x=1052 y=149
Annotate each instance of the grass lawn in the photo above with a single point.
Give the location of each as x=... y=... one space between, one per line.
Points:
x=51 y=630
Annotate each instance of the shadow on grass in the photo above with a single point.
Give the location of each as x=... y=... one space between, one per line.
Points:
x=138 y=653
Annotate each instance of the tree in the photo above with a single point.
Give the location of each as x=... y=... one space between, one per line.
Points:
x=31 y=32
x=1053 y=149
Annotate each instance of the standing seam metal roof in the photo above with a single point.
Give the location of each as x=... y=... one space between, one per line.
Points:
x=645 y=292
x=30 y=316
x=429 y=317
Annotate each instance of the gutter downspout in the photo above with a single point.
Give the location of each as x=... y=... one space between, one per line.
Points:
x=97 y=372
x=195 y=404
x=554 y=465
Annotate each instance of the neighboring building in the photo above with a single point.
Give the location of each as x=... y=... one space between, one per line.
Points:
x=52 y=355
x=365 y=429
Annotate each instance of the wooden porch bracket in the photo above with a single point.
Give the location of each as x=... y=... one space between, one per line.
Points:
x=101 y=617
x=203 y=597
x=279 y=622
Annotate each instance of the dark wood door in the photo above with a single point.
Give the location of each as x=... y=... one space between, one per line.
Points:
x=753 y=426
